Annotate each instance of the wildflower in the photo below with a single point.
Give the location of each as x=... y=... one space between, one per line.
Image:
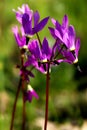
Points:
x=24 y=9
x=38 y=55
x=41 y=56
x=66 y=37
x=30 y=93
x=26 y=17
x=70 y=56
x=21 y=40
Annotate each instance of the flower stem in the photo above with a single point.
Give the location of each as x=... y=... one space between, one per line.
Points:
x=23 y=92
x=39 y=39
x=47 y=96
x=14 y=106
x=24 y=113
x=59 y=52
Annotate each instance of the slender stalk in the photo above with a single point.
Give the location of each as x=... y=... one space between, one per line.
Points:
x=23 y=92
x=23 y=98
x=39 y=39
x=24 y=114
x=14 y=106
x=58 y=52
x=47 y=96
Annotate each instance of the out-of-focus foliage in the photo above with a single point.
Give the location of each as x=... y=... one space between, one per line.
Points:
x=65 y=79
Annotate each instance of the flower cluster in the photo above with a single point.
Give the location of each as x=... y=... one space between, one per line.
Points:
x=66 y=38
x=39 y=54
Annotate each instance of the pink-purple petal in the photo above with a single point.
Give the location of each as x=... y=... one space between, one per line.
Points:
x=58 y=34
x=77 y=46
x=45 y=48
x=40 y=25
x=59 y=28
x=53 y=21
x=65 y=21
x=19 y=17
x=71 y=35
x=52 y=32
x=27 y=9
x=36 y=18
x=34 y=49
x=30 y=94
x=21 y=41
x=27 y=25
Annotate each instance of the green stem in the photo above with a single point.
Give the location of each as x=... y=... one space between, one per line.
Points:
x=58 y=52
x=39 y=39
x=47 y=97
x=14 y=106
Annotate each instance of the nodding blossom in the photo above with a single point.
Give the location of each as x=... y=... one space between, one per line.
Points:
x=66 y=37
x=30 y=20
x=40 y=56
x=30 y=93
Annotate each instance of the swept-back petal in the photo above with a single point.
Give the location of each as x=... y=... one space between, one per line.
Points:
x=40 y=25
x=52 y=32
x=57 y=26
x=21 y=41
x=27 y=9
x=77 y=46
x=27 y=24
x=46 y=50
x=71 y=37
x=55 y=33
x=53 y=21
x=34 y=48
x=70 y=58
x=36 y=18
x=30 y=94
x=65 y=22
x=18 y=16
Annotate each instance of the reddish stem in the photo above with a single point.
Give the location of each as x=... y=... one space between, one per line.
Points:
x=14 y=106
x=47 y=97
x=24 y=114
x=23 y=91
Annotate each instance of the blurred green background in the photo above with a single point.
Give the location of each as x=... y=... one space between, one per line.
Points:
x=68 y=87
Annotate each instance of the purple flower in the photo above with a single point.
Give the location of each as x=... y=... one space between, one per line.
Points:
x=26 y=17
x=60 y=30
x=24 y=9
x=21 y=40
x=66 y=37
x=40 y=56
x=70 y=56
x=65 y=33
x=30 y=93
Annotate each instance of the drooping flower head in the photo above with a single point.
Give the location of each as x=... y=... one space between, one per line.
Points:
x=23 y=10
x=66 y=37
x=30 y=93
x=38 y=55
x=26 y=17
x=41 y=56
x=70 y=56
